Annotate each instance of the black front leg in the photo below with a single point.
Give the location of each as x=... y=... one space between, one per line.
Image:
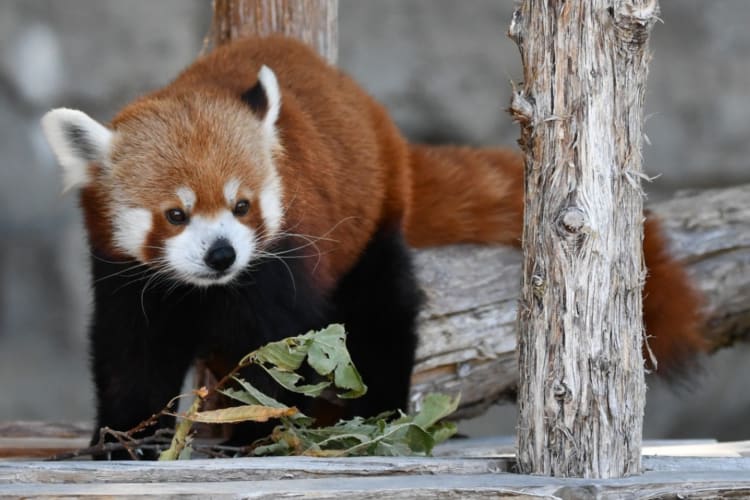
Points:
x=141 y=348
x=378 y=302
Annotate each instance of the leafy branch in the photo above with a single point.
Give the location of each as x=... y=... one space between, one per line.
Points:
x=325 y=352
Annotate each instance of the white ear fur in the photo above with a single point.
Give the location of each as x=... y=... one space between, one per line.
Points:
x=77 y=140
x=267 y=78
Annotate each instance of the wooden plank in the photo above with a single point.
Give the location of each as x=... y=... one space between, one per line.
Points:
x=237 y=469
x=680 y=484
x=382 y=477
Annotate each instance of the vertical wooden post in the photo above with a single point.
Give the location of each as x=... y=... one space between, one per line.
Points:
x=582 y=391
x=312 y=21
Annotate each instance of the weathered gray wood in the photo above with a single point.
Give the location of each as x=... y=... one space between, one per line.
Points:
x=325 y=478
x=312 y=21
x=467 y=327
x=243 y=469
x=581 y=391
x=467 y=330
x=480 y=473
x=654 y=485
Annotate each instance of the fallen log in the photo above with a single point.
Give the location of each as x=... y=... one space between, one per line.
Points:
x=468 y=325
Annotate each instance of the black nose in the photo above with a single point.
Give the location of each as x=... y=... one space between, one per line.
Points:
x=220 y=256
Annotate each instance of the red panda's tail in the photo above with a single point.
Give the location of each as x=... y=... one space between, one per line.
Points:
x=671 y=306
x=465 y=195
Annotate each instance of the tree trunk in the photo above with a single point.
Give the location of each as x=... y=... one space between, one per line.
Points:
x=581 y=390
x=312 y=21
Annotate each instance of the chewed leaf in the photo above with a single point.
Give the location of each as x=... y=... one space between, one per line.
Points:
x=287 y=354
x=328 y=349
x=328 y=354
x=245 y=413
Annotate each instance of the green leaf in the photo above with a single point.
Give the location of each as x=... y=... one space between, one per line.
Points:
x=347 y=377
x=287 y=354
x=328 y=349
x=289 y=380
x=328 y=354
x=419 y=440
x=250 y=395
x=435 y=407
x=443 y=431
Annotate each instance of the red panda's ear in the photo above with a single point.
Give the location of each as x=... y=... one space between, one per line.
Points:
x=264 y=98
x=78 y=141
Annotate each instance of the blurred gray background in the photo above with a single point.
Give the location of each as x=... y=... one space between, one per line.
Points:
x=443 y=69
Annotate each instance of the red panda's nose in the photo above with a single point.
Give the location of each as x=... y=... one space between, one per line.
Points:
x=220 y=256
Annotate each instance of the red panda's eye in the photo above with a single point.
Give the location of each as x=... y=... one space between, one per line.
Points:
x=176 y=216
x=241 y=208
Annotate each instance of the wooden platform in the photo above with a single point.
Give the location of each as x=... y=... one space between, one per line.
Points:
x=462 y=469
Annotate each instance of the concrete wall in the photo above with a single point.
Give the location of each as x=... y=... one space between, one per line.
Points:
x=441 y=66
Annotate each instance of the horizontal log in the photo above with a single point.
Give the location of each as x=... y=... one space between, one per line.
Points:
x=467 y=329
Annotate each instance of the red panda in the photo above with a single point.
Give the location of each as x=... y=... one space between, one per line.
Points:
x=262 y=194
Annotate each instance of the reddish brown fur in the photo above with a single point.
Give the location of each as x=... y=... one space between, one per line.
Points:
x=346 y=171
x=465 y=195
x=94 y=203
x=671 y=305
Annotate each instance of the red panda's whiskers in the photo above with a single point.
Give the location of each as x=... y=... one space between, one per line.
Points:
x=148 y=272
x=138 y=270
x=106 y=261
x=289 y=270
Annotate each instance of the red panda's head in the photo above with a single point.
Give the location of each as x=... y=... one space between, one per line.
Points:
x=185 y=182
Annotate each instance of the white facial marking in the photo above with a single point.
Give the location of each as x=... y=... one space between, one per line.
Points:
x=131 y=227
x=230 y=191
x=185 y=252
x=77 y=140
x=271 y=206
x=267 y=78
x=187 y=197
